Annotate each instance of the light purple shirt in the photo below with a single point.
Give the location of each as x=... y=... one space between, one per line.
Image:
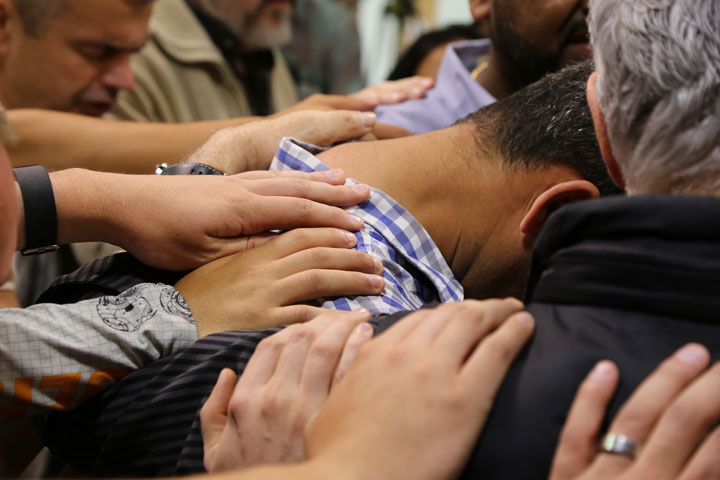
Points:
x=455 y=94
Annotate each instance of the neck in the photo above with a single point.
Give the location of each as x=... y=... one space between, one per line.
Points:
x=432 y=177
x=491 y=78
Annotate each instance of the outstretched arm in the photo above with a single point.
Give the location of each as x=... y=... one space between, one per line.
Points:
x=63 y=140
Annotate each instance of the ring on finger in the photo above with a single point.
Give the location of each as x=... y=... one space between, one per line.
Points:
x=618 y=445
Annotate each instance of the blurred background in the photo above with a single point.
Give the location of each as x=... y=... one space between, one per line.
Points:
x=388 y=27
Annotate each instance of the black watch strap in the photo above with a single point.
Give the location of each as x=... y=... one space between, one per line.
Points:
x=187 y=169
x=41 y=222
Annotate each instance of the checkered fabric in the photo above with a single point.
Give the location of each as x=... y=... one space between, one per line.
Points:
x=414 y=270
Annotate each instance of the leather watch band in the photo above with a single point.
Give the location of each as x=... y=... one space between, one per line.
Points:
x=41 y=222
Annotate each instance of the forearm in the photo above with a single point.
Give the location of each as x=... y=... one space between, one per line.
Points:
x=87 y=203
x=101 y=207
x=59 y=141
x=54 y=356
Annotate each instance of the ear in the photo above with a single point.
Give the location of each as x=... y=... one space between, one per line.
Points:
x=480 y=9
x=602 y=132
x=553 y=198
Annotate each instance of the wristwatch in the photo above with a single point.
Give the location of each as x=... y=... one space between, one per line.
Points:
x=41 y=222
x=187 y=169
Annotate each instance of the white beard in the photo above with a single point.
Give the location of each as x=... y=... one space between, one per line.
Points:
x=259 y=37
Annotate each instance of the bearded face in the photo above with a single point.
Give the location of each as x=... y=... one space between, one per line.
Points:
x=258 y=24
x=536 y=37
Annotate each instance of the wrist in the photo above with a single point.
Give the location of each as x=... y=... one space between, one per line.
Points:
x=37 y=215
x=227 y=150
x=87 y=205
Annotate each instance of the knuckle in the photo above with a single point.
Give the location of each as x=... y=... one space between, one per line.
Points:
x=299 y=236
x=301 y=186
x=684 y=413
x=270 y=407
x=274 y=343
x=325 y=350
x=298 y=314
x=311 y=277
x=318 y=256
x=500 y=349
x=298 y=333
x=238 y=405
x=306 y=208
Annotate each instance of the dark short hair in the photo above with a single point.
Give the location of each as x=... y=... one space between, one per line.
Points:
x=547 y=123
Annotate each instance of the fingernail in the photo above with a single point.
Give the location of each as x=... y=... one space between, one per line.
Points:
x=351 y=238
x=693 y=354
x=602 y=371
x=334 y=174
x=378 y=265
x=359 y=222
x=364 y=330
x=428 y=80
x=368 y=118
x=376 y=281
x=513 y=301
x=360 y=188
x=361 y=312
x=524 y=317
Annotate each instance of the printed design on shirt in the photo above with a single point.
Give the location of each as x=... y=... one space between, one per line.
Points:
x=28 y=396
x=126 y=312
x=174 y=303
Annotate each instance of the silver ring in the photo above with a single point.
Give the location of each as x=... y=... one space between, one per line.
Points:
x=617 y=444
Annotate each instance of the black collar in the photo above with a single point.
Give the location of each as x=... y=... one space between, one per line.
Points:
x=654 y=253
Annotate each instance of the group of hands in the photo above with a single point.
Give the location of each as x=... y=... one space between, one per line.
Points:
x=411 y=403
x=218 y=227
x=408 y=404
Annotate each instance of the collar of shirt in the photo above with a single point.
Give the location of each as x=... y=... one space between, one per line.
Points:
x=415 y=271
x=455 y=94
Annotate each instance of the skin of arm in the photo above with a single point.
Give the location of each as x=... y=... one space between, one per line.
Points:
x=64 y=140
x=216 y=215
x=60 y=140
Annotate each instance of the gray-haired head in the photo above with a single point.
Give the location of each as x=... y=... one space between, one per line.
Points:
x=658 y=64
x=35 y=15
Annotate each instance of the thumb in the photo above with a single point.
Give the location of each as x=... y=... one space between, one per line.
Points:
x=327 y=128
x=214 y=414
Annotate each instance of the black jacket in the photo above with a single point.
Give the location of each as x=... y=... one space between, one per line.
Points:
x=626 y=279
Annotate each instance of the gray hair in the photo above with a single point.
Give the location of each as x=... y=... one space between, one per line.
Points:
x=658 y=64
x=35 y=15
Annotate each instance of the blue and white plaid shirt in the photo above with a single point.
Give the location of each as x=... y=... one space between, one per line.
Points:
x=414 y=270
